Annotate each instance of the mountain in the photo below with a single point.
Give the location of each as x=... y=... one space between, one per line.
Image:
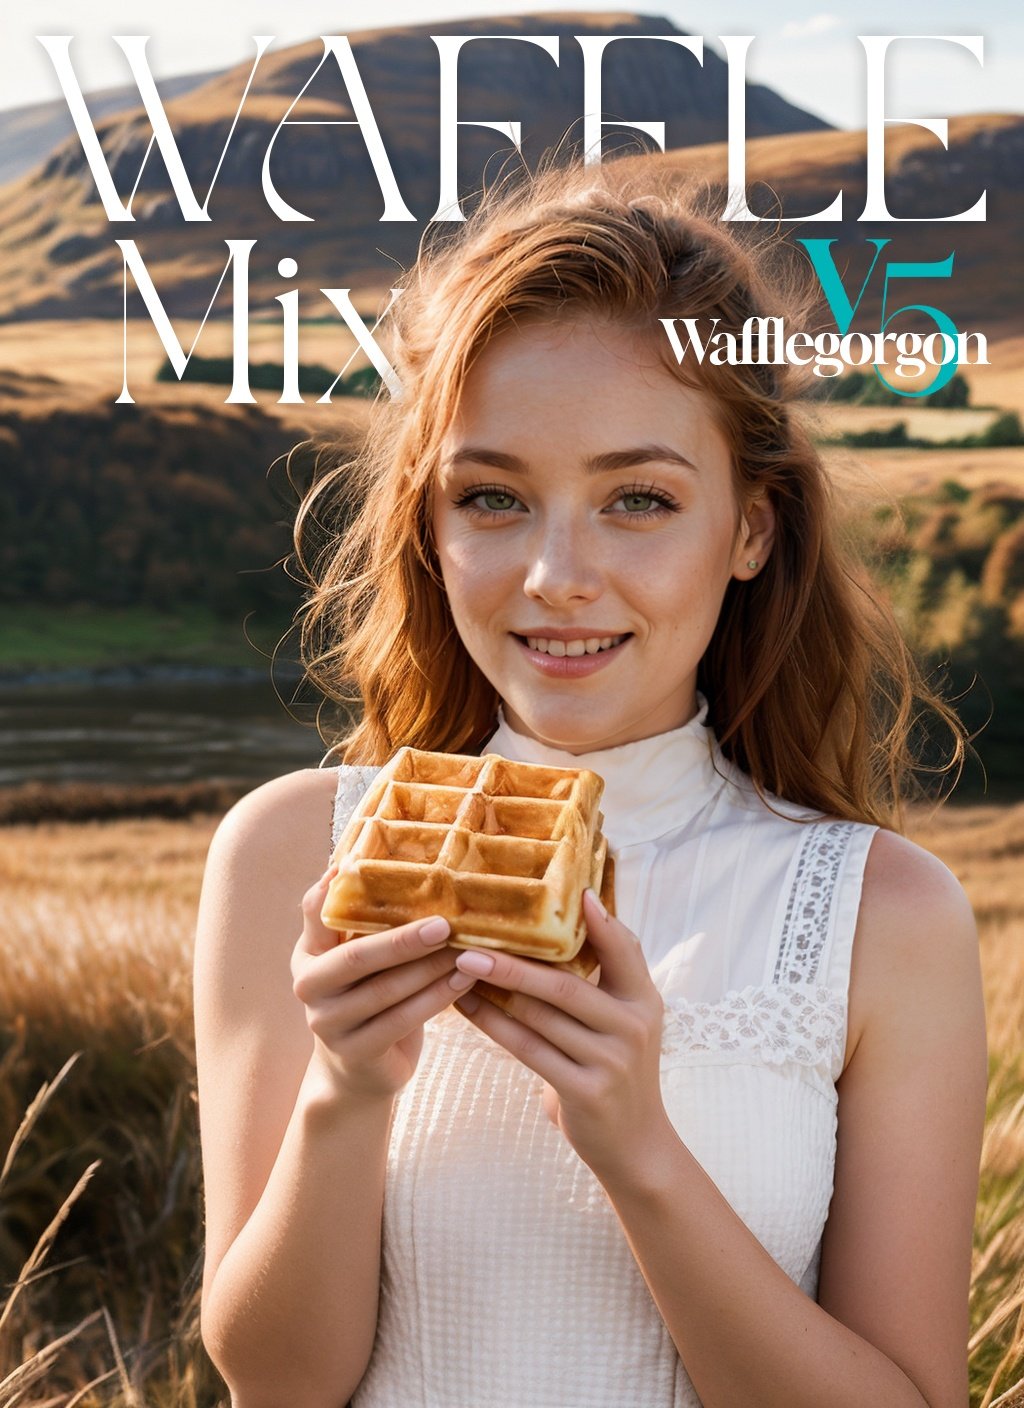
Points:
x=801 y=173
x=57 y=253
x=29 y=133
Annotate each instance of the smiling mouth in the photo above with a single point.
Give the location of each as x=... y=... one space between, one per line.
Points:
x=593 y=645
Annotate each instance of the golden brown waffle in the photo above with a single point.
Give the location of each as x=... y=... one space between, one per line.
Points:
x=504 y=850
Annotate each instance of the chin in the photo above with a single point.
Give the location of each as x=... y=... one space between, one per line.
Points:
x=565 y=726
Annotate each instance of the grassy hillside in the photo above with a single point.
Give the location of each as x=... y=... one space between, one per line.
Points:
x=181 y=512
x=800 y=173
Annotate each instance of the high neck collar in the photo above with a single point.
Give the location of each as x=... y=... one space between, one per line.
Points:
x=651 y=786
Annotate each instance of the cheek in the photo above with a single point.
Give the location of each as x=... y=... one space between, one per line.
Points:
x=689 y=562
x=467 y=559
x=680 y=581
x=476 y=577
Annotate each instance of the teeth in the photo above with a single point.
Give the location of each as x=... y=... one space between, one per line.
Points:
x=560 y=648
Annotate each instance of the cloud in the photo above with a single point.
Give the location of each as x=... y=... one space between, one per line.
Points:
x=809 y=28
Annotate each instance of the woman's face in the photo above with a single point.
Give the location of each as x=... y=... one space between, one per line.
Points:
x=585 y=499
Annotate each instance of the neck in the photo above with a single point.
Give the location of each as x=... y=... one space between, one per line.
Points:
x=522 y=730
x=651 y=785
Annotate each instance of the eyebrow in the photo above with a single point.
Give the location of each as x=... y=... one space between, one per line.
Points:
x=595 y=464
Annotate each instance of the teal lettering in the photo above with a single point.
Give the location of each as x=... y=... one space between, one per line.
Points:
x=819 y=252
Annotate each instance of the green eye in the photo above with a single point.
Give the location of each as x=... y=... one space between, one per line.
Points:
x=484 y=500
x=646 y=502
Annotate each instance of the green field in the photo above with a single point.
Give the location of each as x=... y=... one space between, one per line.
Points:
x=92 y=637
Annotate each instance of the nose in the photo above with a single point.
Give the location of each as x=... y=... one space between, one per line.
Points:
x=562 y=566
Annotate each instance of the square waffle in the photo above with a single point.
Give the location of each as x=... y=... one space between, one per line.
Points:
x=503 y=849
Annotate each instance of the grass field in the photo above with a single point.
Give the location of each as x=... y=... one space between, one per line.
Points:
x=896 y=473
x=87 y=355
x=92 y=637
x=921 y=421
x=97 y=922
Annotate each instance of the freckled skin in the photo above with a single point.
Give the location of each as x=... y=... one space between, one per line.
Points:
x=559 y=547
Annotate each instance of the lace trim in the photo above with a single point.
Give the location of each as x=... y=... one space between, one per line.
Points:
x=805 y=927
x=773 y=1025
x=353 y=780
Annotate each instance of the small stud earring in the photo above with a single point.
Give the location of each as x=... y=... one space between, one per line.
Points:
x=751 y=565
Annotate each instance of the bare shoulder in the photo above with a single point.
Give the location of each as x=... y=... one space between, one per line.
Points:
x=288 y=817
x=915 y=928
x=267 y=851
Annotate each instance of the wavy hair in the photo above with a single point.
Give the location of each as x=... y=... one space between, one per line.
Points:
x=812 y=690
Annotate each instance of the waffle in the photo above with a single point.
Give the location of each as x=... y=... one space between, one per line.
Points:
x=502 y=849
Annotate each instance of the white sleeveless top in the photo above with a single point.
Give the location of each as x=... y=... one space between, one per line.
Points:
x=506 y=1279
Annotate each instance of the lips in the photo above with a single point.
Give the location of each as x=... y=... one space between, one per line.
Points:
x=574 y=666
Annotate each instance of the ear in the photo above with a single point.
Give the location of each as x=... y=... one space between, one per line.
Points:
x=754 y=538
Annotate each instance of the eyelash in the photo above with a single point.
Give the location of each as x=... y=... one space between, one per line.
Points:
x=645 y=491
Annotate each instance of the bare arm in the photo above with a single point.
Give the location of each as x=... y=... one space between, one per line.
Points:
x=294 y=1120
x=290 y=1312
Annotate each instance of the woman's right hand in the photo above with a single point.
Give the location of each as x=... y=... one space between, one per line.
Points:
x=366 y=999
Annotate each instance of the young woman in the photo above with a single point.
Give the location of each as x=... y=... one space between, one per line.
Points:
x=742 y=1168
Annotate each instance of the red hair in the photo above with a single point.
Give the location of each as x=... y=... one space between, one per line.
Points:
x=812 y=689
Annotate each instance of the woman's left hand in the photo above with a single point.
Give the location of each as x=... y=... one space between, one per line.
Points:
x=598 y=1048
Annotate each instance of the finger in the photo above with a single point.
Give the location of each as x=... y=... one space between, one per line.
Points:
x=316 y=937
x=566 y=991
x=348 y=960
x=624 y=970
x=352 y=958
x=580 y=1043
x=382 y=1031
x=529 y=1047
x=385 y=988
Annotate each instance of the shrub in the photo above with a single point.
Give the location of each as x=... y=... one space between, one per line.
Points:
x=1002 y=577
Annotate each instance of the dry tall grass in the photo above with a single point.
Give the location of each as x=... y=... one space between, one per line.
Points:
x=101 y=1189
x=96 y=922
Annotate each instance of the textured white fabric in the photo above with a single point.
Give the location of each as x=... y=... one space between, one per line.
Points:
x=507 y=1281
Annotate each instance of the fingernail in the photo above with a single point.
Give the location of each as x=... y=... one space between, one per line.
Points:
x=469 y=1003
x=434 y=930
x=479 y=964
x=597 y=901
x=329 y=873
x=461 y=981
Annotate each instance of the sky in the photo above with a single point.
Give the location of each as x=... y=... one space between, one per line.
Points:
x=806 y=49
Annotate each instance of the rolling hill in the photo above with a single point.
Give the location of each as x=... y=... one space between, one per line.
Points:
x=800 y=173
x=30 y=132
